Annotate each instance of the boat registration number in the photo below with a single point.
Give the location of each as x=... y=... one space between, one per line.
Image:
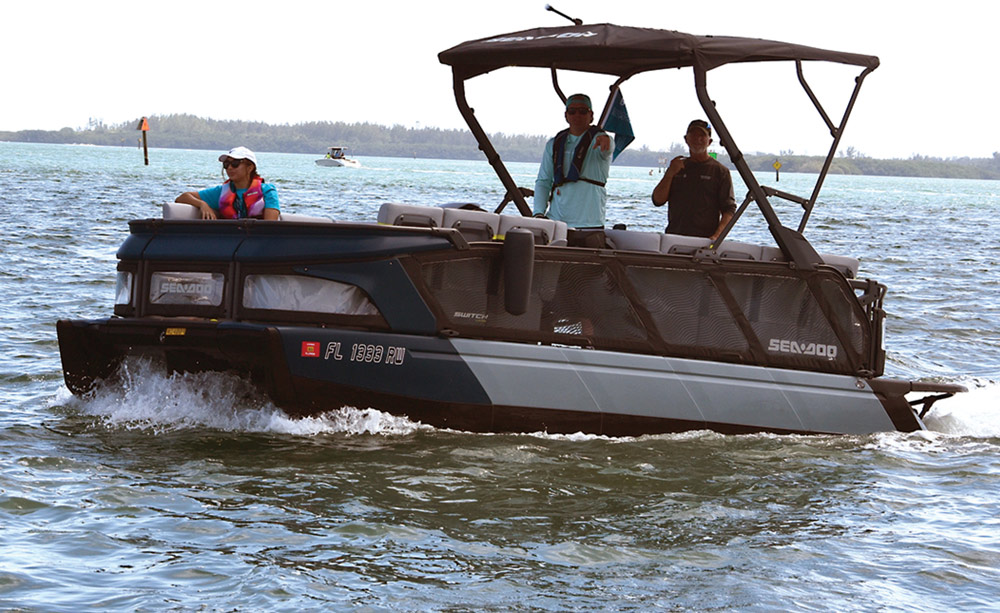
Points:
x=366 y=353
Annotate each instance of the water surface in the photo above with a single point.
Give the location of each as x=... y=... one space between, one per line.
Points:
x=193 y=493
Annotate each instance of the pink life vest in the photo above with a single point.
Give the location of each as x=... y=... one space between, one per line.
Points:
x=253 y=200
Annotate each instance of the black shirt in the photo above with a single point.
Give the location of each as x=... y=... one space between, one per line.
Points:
x=699 y=195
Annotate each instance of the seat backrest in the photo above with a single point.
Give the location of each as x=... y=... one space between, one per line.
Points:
x=845 y=264
x=282 y=216
x=678 y=244
x=474 y=225
x=546 y=231
x=177 y=210
x=396 y=214
x=630 y=240
x=736 y=250
x=771 y=254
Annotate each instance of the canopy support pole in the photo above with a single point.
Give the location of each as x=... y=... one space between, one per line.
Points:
x=835 y=131
x=513 y=191
x=795 y=246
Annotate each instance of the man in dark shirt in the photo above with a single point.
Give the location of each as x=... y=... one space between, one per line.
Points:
x=698 y=188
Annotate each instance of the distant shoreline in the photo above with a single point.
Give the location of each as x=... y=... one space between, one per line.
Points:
x=190 y=132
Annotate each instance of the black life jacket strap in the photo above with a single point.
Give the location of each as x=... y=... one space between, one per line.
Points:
x=558 y=146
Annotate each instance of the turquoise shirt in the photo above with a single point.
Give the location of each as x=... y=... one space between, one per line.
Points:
x=211 y=197
x=579 y=204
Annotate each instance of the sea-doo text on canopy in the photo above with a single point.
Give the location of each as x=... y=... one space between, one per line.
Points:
x=491 y=321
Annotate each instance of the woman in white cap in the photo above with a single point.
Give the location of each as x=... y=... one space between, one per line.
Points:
x=245 y=194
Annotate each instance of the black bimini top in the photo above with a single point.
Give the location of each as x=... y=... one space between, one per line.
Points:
x=624 y=51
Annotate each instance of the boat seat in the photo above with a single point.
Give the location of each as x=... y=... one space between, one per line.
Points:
x=546 y=231
x=678 y=244
x=630 y=240
x=845 y=264
x=771 y=254
x=396 y=214
x=178 y=210
x=735 y=250
x=474 y=225
x=282 y=216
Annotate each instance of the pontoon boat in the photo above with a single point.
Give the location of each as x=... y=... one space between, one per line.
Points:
x=495 y=321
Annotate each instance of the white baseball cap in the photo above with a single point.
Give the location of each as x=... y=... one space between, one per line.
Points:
x=239 y=153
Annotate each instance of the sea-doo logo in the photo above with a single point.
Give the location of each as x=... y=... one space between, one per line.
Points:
x=310 y=349
x=517 y=39
x=477 y=317
x=788 y=346
x=173 y=287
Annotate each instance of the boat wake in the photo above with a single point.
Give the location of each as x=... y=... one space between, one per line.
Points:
x=146 y=397
x=974 y=413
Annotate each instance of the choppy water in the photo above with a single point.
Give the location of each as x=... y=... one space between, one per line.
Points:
x=191 y=493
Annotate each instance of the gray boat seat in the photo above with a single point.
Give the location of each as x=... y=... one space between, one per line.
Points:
x=736 y=250
x=771 y=254
x=178 y=210
x=845 y=264
x=631 y=240
x=396 y=214
x=678 y=244
x=546 y=231
x=282 y=216
x=474 y=225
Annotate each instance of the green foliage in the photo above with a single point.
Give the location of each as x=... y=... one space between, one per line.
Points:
x=190 y=132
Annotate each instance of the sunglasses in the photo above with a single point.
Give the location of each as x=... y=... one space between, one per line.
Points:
x=577 y=111
x=231 y=163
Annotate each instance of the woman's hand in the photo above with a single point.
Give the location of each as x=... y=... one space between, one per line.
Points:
x=207 y=212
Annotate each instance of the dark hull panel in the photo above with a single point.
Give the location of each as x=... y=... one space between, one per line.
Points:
x=490 y=386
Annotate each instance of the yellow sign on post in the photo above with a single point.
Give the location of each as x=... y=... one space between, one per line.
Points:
x=777 y=169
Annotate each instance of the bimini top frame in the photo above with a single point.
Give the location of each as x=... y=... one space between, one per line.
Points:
x=626 y=51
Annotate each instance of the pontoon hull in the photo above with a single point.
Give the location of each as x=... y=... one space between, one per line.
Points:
x=491 y=386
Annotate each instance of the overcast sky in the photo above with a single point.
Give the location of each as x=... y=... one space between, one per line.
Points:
x=376 y=61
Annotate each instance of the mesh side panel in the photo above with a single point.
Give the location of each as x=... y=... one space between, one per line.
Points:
x=470 y=292
x=850 y=321
x=584 y=298
x=460 y=288
x=787 y=319
x=581 y=302
x=669 y=296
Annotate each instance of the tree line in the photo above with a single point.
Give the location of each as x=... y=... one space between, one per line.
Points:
x=370 y=139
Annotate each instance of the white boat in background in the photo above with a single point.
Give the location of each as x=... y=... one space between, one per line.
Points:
x=335 y=157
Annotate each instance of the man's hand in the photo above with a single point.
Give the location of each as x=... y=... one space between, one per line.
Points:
x=603 y=141
x=676 y=165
